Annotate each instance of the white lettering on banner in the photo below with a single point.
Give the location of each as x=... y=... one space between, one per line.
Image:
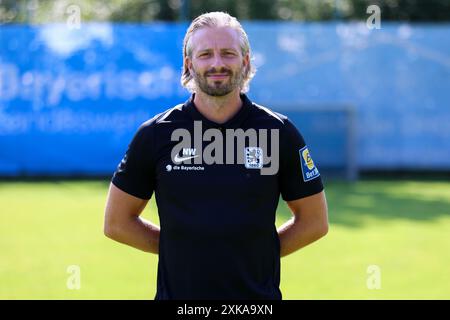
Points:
x=70 y=121
x=46 y=89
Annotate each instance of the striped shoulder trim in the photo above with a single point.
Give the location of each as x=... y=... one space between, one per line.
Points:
x=269 y=112
x=165 y=114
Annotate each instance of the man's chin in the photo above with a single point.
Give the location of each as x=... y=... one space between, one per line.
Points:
x=217 y=92
x=217 y=88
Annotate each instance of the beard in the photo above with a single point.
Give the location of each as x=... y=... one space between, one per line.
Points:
x=218 y=88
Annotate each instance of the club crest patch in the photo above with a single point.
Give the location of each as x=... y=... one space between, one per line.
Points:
x=309 y=170
x=253 y=158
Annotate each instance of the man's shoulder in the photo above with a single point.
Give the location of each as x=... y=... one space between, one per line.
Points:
x=173 y=114
x=266 y=117
x=264 y=113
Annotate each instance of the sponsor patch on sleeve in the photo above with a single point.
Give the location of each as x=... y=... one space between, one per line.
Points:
x=309 y=170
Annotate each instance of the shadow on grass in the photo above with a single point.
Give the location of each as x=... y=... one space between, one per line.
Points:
x=352 y=204
x=349 y=204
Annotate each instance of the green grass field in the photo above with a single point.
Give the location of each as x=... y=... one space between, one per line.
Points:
x=401 y=227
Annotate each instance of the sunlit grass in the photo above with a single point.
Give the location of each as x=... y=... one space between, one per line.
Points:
x=402 y=227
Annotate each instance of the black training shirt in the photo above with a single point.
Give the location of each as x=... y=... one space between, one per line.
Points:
x=218 y=236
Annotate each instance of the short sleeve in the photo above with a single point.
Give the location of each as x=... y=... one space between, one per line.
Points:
x=299 y=176
x=135 y=173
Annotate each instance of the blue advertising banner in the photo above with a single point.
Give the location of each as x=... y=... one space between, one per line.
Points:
x=71 y=99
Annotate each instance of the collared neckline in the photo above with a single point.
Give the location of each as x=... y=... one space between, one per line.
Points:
x=232 y=123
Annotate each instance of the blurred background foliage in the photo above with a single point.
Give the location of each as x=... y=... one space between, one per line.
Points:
x=46 y=11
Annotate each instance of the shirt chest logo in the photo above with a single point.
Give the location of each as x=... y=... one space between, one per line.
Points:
x=212 y=146
x=253 y=158
x=188 y=153
x=309 y=170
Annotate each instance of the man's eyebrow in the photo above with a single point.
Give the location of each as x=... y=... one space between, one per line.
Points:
x=229 y=49
x=223 y=49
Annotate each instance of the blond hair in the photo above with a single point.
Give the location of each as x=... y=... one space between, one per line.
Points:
x=216 y=19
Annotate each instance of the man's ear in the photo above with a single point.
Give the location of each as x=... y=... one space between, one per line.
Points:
x=246 y=60
x=188 y=63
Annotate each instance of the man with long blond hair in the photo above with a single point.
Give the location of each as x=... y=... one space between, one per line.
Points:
x=216 y=198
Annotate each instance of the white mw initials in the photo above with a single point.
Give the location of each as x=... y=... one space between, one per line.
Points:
x=189 y=152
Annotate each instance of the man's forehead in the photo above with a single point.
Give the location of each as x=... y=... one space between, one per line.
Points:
x=210 y=37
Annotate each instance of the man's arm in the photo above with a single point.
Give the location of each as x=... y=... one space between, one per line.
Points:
x=309 y=223
x=123 y=224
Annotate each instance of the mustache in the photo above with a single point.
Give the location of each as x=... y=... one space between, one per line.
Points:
x=220 y=71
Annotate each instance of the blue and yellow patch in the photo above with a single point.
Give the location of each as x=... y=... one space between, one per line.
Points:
x=309 y=170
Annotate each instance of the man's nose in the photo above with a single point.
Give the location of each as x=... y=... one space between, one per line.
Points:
x=217 y=62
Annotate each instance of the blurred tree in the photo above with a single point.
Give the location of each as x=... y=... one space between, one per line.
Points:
x=305 y=9
x=410 y=10
x=44 y=11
